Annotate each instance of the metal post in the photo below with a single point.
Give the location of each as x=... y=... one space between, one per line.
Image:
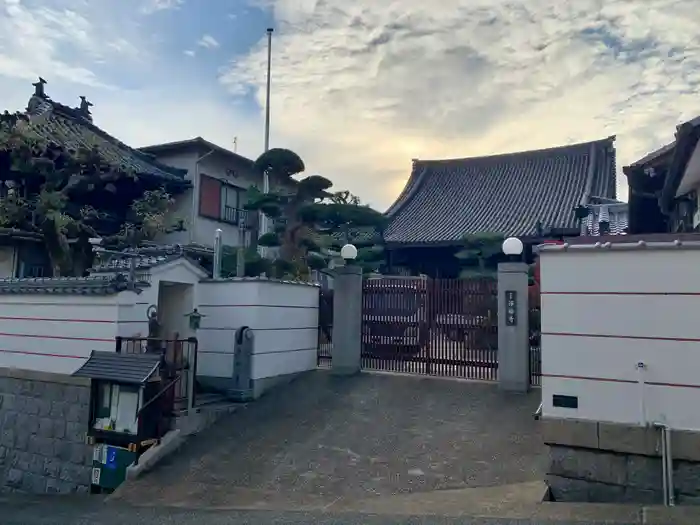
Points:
x=267 y=99
x=266 y=177
x=191 y=372
x=132 y=272
x=217 y=254
x=240 y=262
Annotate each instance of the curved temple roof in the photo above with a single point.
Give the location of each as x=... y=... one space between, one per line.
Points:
x=73 y=128
x=445 y=200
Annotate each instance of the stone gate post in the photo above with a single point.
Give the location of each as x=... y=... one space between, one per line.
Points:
x=513 y=327
x=347 y=321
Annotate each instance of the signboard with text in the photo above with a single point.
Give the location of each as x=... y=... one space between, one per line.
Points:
x=511 y=308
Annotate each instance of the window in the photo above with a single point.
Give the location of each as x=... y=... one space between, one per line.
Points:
x=229 y=204
x=116 y=408
x=218 y=200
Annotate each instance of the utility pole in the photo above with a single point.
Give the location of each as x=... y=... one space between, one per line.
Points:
x=267 y=95
x=266 y=177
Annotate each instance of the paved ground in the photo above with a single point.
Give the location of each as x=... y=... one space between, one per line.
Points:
x=329 y=443
x=62 y=511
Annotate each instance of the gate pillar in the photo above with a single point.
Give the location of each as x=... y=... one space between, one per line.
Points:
x=513 y=328
x=347 y=321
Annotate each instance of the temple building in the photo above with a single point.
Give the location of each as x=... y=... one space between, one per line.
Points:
x=69 y=129
x=535 y=195
x=665 y=185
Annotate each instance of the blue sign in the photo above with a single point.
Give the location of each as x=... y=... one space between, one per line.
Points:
x=111 y=461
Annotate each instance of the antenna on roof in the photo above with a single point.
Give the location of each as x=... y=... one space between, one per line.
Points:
x=235 y=144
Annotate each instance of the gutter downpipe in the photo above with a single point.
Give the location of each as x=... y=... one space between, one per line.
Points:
x=669 y=469
x=666 y=465
x=666 y=452
x=195 y=193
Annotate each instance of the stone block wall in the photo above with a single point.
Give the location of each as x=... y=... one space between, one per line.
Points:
x=43 y=421
x=609 y=463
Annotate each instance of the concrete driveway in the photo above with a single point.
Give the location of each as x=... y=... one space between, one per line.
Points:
x=326 y=443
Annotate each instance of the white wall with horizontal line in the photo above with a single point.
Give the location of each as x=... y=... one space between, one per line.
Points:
x=605 y=311
x=283 y=316
x=55 y=333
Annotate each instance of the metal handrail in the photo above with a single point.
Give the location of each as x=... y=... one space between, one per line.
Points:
x=159 y=394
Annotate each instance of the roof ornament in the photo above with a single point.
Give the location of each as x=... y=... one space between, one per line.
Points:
x=539 y=229
x=39 y=88
x=85 y=105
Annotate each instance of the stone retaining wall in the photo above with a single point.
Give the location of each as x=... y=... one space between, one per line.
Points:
x=609 y=463
x=43 y=421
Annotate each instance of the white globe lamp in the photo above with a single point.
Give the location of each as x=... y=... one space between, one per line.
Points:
x=512 y=246
x=348 y=252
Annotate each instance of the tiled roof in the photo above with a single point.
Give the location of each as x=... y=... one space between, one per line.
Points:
x=615 y=214
x=143 y=262
x=67 y=285
x=511 y=194
x=72 y=128
x=145 y=257
x=133 y=369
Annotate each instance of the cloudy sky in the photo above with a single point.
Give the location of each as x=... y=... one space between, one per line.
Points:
x=361 y=87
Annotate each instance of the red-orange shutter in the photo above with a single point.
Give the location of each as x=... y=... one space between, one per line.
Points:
x=209 y=197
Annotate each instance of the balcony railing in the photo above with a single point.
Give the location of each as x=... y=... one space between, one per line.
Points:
x=248 y=220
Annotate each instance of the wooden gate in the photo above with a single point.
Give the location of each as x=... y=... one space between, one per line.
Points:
x=444 y=327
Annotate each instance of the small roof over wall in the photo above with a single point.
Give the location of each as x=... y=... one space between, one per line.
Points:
x=606 y=218
x=98 y=285
x=146 y=259
x=510 y=194
x=135 y=369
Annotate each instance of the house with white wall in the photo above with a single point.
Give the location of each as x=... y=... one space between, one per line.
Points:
x=220 y=180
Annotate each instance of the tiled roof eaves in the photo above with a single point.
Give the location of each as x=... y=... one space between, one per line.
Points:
x=147 y=262
x=123 y=368
x=562 y=172
x=687 y=139
x=654 y=156
x=65 y=126
x=159 y=168
x=412 y=185
x=67 y=286
x=154 y=149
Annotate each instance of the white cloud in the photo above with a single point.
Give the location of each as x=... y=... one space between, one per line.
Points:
x=362 y=87
x=189 y=52
x=154 y=6
x=62 y=43
x=208 y=41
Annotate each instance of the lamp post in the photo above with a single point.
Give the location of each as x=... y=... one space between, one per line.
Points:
x=513 y=323
x=347 y=315
x=513 y=247
x=349 y=253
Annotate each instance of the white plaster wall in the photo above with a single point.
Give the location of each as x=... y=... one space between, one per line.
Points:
x=131 y=318
x=182 y=208
x=605 y=311
x=283 y=316
x=56 y=333
x=221 y=303
x=201 y=230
